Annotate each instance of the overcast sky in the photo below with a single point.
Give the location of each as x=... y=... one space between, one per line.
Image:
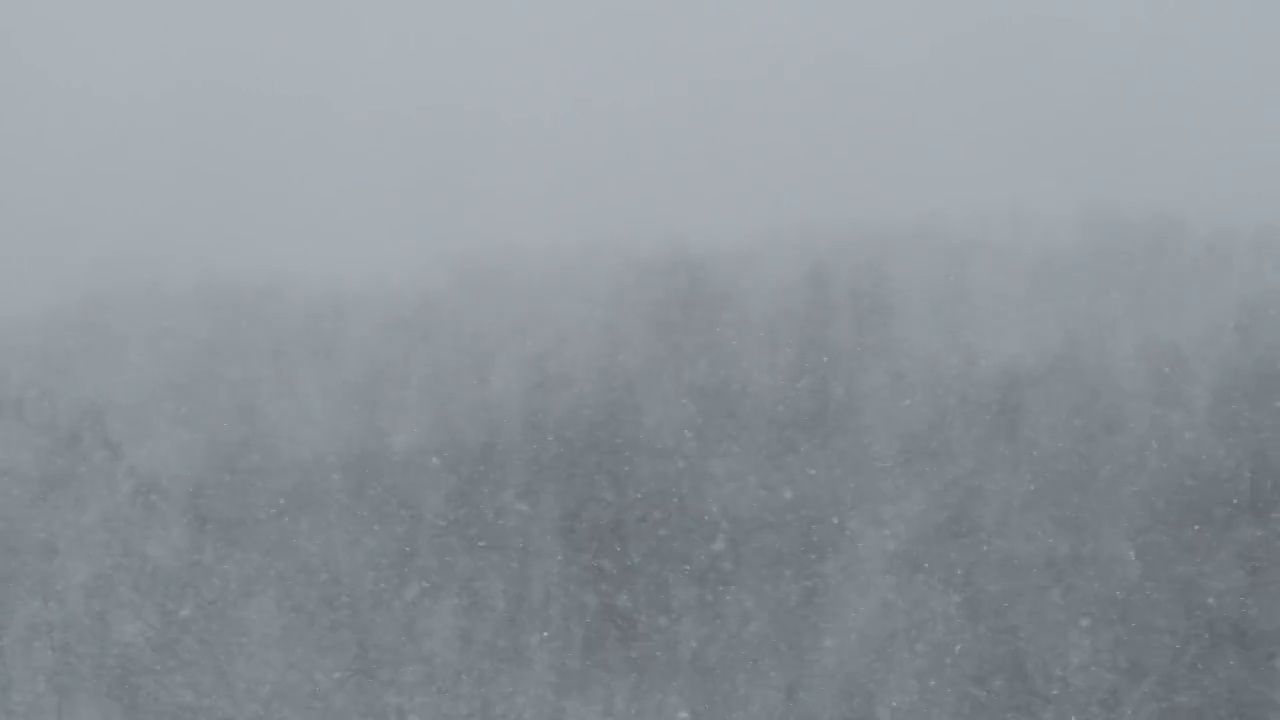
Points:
x=353 y=134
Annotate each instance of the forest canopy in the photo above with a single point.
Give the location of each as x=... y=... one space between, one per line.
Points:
x=873 y=476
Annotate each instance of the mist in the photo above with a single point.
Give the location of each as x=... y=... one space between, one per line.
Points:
x=573 y=361
x=336 y=135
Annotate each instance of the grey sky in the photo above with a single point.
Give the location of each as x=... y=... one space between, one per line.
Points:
x=348 y=135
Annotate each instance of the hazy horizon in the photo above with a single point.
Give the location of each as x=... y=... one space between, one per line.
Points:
x=347 y=138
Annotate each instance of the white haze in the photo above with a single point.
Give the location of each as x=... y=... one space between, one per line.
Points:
x=345 y=137
x=654 y=360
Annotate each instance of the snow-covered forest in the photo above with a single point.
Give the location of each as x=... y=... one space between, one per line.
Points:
x=869 y=476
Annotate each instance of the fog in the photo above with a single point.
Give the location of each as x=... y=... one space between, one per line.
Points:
x=336 y=134
x=575 y=361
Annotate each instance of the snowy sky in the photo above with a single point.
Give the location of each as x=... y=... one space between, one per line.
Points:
x=343 y=135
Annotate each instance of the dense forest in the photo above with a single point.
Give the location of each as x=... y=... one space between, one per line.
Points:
x=871 y=476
